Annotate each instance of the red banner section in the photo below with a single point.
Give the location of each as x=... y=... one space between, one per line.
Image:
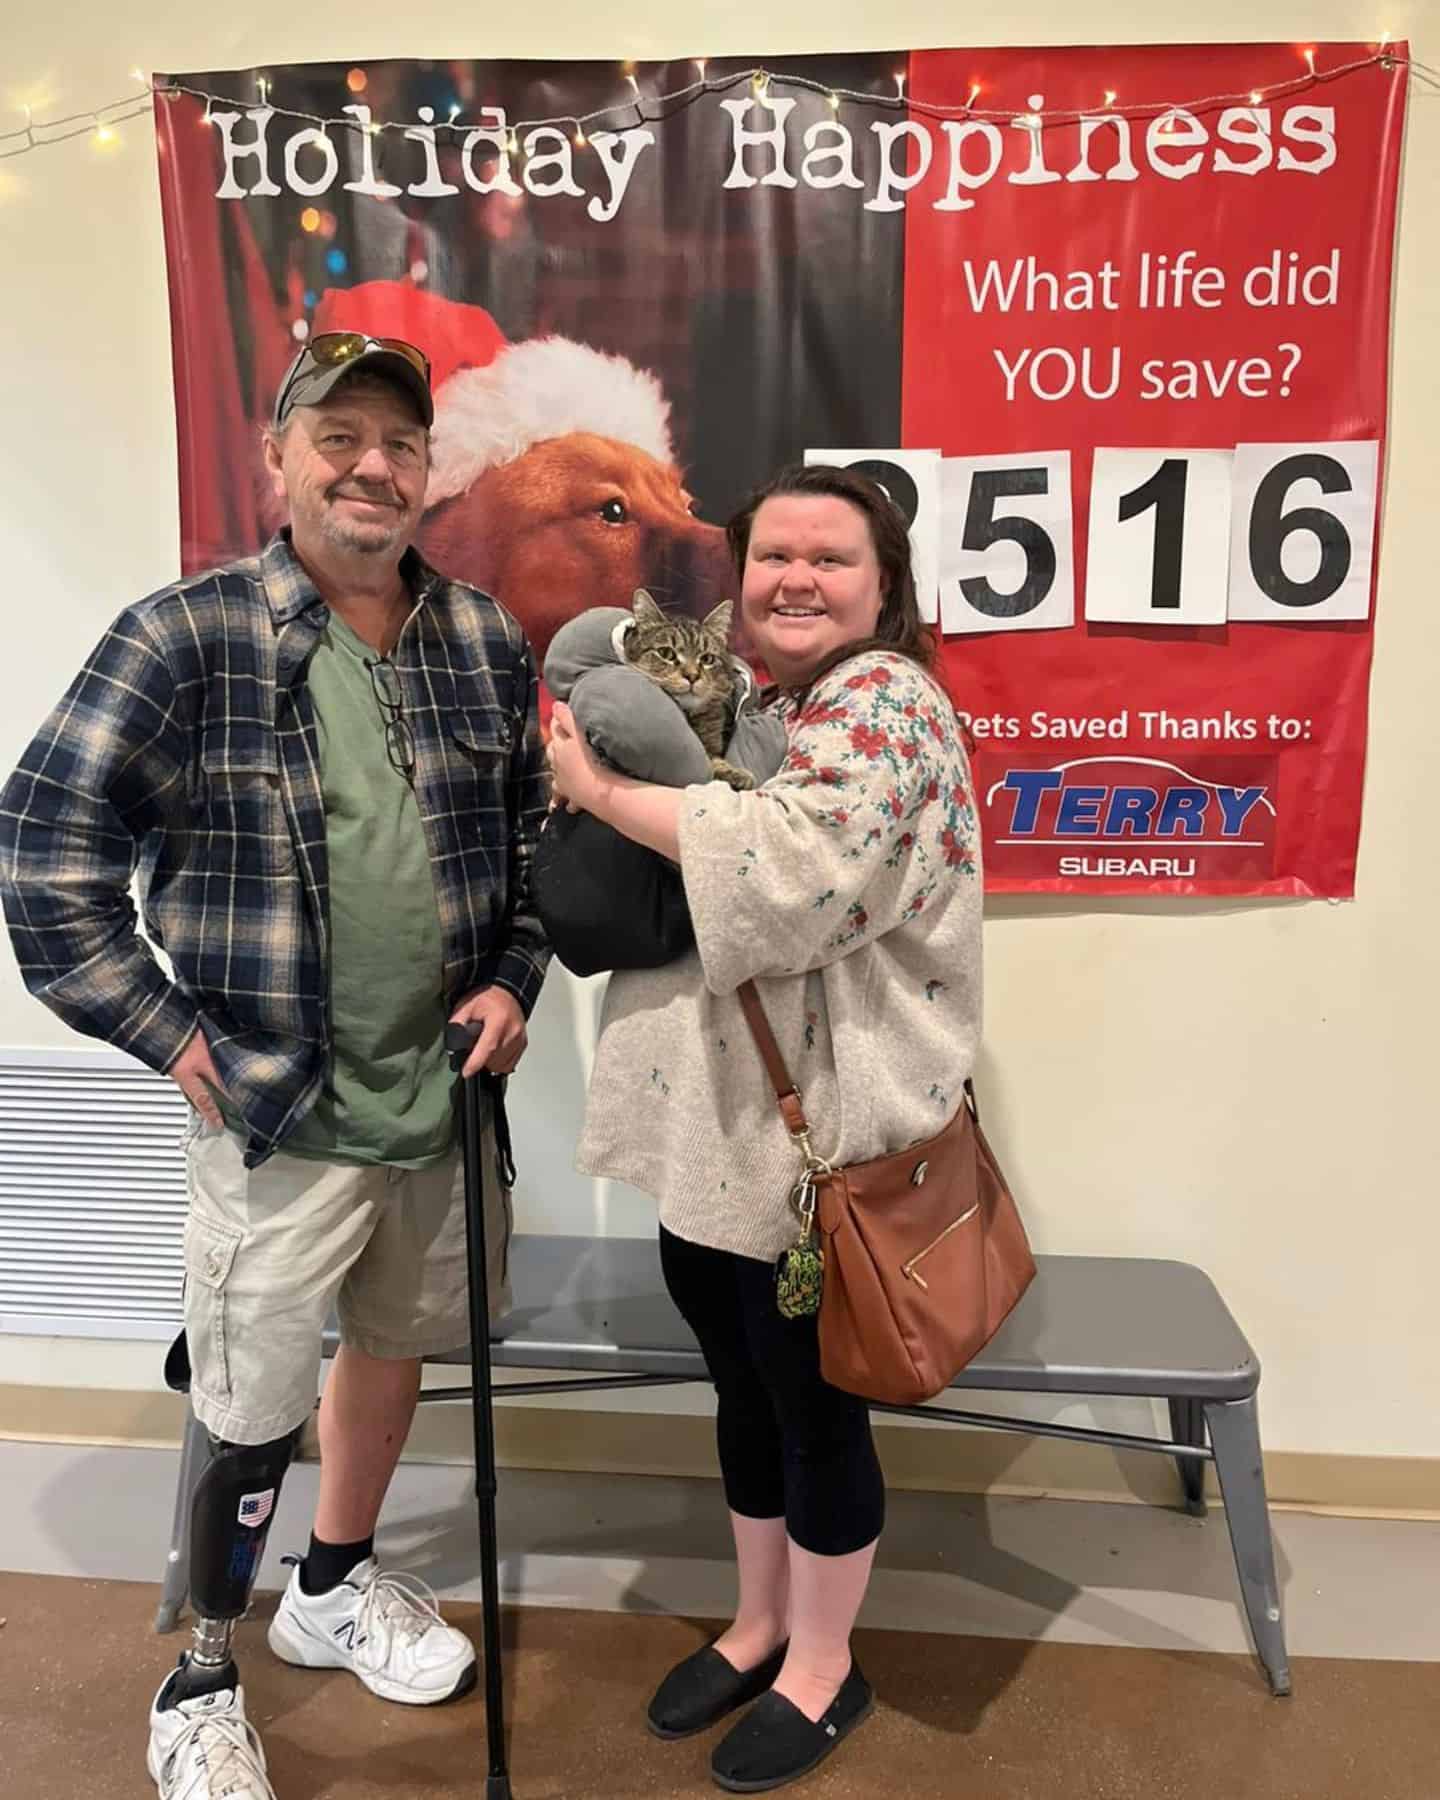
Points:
x=1175 y=282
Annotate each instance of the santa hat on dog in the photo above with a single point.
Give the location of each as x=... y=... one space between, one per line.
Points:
x=494 y=399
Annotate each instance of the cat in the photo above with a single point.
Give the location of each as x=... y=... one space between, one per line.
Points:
x=691 y=662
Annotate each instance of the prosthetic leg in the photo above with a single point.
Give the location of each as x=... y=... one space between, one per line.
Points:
x=229 y=1523
x=230 y=1512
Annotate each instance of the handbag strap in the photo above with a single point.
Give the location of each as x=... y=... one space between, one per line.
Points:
x=787 y=1095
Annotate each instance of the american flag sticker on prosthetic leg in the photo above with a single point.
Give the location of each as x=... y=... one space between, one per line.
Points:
x=255 y=1509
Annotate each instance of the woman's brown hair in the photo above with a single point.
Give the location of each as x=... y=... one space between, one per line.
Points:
x=899 y=628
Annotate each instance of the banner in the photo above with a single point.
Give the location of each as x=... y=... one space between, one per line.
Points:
x=1111 y=326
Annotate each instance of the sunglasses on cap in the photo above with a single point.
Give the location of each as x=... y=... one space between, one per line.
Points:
x=331 y=354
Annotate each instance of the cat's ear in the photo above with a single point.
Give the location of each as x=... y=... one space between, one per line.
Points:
x=645 y=610
x=716 y=623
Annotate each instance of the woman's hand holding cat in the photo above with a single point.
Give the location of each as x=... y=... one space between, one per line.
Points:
x=574 y=771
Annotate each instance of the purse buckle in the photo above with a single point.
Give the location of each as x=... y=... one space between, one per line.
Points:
x=814 y=1165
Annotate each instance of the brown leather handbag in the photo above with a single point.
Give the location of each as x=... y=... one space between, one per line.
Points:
x=924 y=1251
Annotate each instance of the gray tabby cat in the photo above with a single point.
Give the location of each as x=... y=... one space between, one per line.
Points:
x=691 y=662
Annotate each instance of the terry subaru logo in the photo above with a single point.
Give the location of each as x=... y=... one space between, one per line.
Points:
x=1134 y=817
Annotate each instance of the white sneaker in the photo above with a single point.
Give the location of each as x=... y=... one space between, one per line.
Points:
x=386 y=1629
x=206 y=1749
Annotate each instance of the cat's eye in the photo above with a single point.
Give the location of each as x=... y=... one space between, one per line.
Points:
x=708 y=659
x=613 y=512
x=664 y=652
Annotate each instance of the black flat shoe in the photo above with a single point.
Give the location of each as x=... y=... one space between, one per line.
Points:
x=702 y=1689
x=775 y=1742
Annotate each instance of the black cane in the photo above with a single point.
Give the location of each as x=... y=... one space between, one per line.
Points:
x=460 y=1040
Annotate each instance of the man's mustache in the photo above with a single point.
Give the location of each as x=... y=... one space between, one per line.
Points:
x=371 y=499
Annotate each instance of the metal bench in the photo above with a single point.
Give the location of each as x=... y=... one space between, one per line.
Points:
x=1087 y=1325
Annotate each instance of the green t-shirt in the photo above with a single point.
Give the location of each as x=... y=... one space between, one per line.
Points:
x=388 y=1097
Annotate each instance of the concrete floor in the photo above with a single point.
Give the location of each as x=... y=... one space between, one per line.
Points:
x=1063 y=1571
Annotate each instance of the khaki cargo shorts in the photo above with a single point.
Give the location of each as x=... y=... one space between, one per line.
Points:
x=271 y=1253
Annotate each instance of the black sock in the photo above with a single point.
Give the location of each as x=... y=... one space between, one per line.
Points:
x=191 y=1679
x=326 y=1565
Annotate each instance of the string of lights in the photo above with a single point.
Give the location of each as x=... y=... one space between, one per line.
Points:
x=640 y=108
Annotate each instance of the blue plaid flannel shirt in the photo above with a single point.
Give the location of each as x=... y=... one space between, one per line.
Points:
x=186 y=749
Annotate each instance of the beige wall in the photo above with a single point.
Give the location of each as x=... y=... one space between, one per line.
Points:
x=1253 y=1088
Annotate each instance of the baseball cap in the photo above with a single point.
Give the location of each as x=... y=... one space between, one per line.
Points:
x=330 y=356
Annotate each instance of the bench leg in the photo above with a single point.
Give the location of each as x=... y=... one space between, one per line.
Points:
x=1187 y=1426
x=1235 y=1436
x=175 y=1589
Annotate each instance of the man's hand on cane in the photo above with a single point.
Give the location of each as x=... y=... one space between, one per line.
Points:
x=502 y=1039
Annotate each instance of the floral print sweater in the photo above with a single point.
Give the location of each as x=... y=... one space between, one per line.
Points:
x=848 y=887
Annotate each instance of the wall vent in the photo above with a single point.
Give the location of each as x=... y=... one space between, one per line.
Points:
x=92 y=1195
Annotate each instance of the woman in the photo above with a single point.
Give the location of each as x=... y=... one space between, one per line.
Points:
x=848 y=886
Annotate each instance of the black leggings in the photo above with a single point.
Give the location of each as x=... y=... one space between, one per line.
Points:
x=789 y=1442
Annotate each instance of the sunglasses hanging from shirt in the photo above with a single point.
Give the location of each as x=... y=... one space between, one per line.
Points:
x=399 y=739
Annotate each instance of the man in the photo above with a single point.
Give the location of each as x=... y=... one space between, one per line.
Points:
x=324 y=762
